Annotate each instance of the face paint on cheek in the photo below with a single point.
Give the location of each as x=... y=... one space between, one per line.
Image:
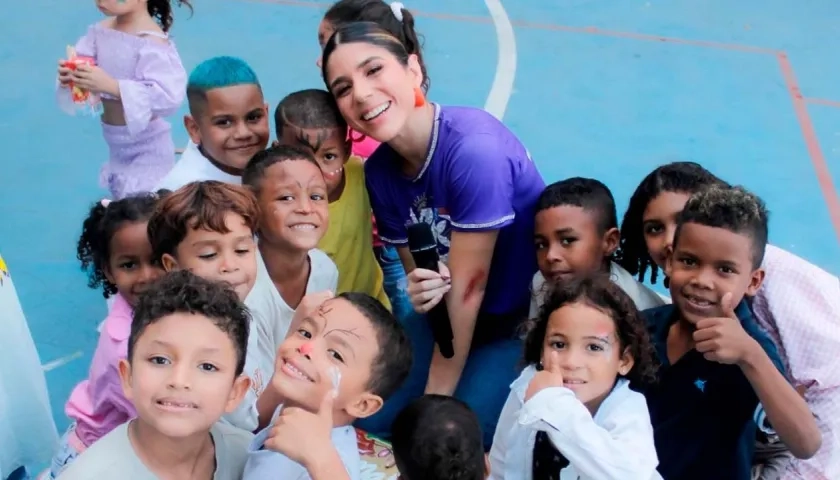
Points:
x=334 y=173
x=605 y=341
x=335 y=374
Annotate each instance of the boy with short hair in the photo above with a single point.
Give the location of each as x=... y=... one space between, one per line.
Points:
x=292 y=197
x=310 y=120
x=227 y=124
x=186 y=354
x=339 y=363
x=437 y=437
x=208 y=228
x=575 y=235
x=717 y=363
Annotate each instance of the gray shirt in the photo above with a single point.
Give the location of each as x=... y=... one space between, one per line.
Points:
x=112 y=456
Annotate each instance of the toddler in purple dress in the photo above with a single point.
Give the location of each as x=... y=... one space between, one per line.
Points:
x=140 y=78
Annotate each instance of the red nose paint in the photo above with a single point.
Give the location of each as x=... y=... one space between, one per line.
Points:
x=306 y=348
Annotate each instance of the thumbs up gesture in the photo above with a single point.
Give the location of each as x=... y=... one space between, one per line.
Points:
x=303 y=435
x=723 y=339
x=551 y=374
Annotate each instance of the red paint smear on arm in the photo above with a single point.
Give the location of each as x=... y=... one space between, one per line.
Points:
x=472 y=287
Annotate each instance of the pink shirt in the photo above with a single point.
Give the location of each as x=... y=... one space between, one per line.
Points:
x=98 y=404
x=799 y=307
x=364 y=147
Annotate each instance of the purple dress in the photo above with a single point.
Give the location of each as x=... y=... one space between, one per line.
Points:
x=152 y=86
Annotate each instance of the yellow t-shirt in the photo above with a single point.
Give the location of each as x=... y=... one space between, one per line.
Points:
x=349 y=237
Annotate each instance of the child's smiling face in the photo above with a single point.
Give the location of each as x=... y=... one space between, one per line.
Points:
x=339 y=337
x=707 y=263
x=584 y=341
x=228 y=257
x=182 y=375
x=231 y=124
x=329 y=146
x=293 y=203
x=131 y=265
x=659 y=222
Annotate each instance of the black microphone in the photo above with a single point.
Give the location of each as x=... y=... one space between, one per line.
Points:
x=423 y=247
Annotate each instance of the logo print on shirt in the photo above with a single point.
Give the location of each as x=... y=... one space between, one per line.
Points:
x=700 y=384
x=421 y=211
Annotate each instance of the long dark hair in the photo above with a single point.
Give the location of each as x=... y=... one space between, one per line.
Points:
x=676 y=177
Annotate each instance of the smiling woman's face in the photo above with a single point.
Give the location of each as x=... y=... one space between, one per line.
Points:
x=373 y=89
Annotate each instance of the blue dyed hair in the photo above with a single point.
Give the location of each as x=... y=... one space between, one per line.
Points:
x=217 y=72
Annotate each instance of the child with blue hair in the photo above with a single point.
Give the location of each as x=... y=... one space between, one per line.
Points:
x=227 y=123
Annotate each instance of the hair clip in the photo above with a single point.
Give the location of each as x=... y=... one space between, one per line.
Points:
x=397 y=8
x=105 y=202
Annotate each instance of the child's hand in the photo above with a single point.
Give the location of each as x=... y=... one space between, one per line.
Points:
x=94 y=79
x=426 y=288
x=301 y=435
x=723 y=339
x=64 y=78
x=550 y=376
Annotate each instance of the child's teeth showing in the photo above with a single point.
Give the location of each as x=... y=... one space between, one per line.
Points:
x=297 y=372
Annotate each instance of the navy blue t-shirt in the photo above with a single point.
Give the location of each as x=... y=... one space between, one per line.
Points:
x=702 y=411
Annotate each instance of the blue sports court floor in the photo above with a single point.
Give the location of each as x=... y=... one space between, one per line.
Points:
x=600 y=88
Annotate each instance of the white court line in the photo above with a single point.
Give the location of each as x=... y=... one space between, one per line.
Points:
x=60 y=362
x=502 y=88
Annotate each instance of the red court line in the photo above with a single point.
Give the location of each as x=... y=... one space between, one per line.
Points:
x=811 y=141
x=822 y=101
x=558 y=28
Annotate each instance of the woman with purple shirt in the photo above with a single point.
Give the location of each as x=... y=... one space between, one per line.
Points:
x=463 y=172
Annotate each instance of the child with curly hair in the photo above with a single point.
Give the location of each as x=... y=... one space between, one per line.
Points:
x=571 y=413
x=115 y=251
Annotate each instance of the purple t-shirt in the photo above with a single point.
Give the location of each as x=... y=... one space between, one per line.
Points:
x=477 y=177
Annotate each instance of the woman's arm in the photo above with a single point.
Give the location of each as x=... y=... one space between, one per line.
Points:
x=470 y=254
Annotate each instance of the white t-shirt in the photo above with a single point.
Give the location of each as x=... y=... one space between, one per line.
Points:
x=112 y=456
x=641 y=295
x=194 y=167
x=270 y=321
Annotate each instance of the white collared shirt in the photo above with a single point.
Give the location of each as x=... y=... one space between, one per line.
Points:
x=615 y=444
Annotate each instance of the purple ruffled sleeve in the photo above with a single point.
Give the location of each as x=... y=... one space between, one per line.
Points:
x=158 y=88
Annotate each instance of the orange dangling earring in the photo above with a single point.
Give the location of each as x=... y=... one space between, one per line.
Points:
x=419 y=98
